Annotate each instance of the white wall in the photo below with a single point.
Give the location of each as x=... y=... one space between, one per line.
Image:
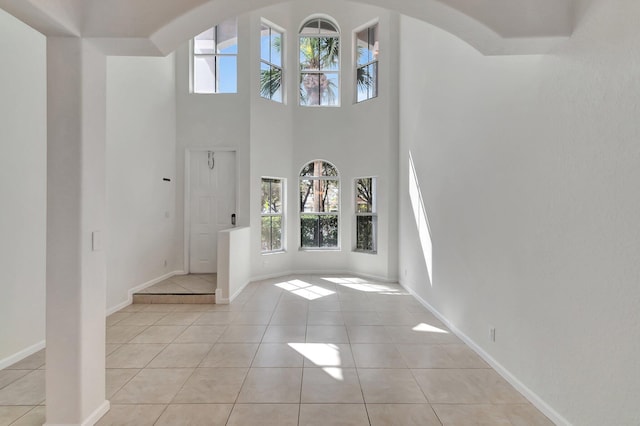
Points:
x=271 y=146
x=141 y=141
x=528 y=168
x=23 y=185
x=234 y=266
x=359 y=139
x=214 y=122
x=277 y=140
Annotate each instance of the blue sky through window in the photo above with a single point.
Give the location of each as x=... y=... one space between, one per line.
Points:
x=215 y=64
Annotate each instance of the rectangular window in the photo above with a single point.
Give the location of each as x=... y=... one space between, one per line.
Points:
x=366 y=216
x=367 y=63
x=215 y=59
x=319 y=209
x=272 y=215
x=271 y=71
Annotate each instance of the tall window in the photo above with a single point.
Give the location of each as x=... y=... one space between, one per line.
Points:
x=367 y=65
x=319 y=63
x=215 y=59
x=319 y=205
x=271 y=49
x=366 y=217
x=272 y=211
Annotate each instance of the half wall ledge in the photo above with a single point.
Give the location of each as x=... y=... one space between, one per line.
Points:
x=234 y=263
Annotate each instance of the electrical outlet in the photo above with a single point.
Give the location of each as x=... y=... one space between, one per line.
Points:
x=492 y=334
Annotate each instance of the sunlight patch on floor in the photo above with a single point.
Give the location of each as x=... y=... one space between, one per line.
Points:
x=345 y=280
x=304 y=289
x=428 y=328
x=370 y=288
x=323 y=355
x=362 y=285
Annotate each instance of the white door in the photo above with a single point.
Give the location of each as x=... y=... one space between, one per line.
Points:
x=212 y=189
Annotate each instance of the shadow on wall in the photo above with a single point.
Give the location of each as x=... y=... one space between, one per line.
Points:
x=420 y=215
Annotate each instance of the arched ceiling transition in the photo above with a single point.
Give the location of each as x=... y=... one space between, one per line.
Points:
x=157 y=27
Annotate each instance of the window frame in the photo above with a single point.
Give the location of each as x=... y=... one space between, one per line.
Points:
x=193 y=55
x=373 y=214
x=337 y=72
x=283 y=200
x=281 y=67
x=375 y=61
x=338 y=246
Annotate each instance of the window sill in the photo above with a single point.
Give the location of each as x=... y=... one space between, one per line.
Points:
x=320 y=249
x=269 y=253
x=319 y=106
x=365 y=251
x=213 y=93
x=364 y=101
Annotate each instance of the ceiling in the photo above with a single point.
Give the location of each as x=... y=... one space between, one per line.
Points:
x=157 y=27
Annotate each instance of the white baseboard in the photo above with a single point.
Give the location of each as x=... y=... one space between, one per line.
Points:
x=118 y=307
x=140 y=287
x=19 y=356
x=97 y=414
x=237 y=293
x=538 y=402
x=92 y=419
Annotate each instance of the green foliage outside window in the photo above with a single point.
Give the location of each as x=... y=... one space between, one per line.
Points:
x=272 y=210
x=319 y=192
x=366 y=218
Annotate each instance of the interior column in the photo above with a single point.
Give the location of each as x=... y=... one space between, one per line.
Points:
x=76 y=272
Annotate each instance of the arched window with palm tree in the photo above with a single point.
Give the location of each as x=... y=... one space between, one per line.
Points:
x=319 y=63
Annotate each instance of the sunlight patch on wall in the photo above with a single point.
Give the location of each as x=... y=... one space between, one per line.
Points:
x=420 y=215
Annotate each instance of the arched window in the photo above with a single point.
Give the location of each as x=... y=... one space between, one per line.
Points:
x=319 y=63
x=319 y=205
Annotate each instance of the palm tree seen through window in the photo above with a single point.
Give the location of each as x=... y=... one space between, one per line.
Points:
x=271 y=69
x=319 y=44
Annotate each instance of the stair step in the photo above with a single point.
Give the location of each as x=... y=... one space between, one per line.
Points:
x=168 y=298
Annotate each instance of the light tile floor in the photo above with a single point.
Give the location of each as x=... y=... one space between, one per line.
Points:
x=299 y=350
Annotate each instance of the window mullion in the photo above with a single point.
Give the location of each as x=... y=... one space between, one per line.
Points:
x=270 y=242
x=215 y=60
x=270 y=42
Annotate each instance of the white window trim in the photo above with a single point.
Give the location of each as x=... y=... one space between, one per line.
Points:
x=337 y=214
x=283 y=61
x=192 y=58
x=339 y=71
x=354 y=71
x=282 y=215
x=373 y=214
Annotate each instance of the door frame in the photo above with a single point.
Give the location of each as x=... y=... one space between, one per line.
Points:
x=187 y=196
